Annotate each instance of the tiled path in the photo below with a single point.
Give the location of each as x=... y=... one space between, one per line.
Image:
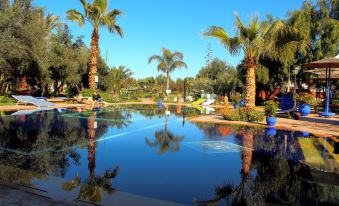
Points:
x=312 y=124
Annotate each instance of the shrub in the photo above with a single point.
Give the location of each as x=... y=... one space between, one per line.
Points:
x=107 y=97
x=271 y=108
x=87 y=92
x=335 y=101
x=231 y=115
x=249 y=114
x=306 y=98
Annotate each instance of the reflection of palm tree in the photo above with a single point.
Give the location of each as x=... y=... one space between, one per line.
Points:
x=91 y=189
x=165 y=140
x=244 y=193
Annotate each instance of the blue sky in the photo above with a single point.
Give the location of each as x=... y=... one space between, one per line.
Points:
x=177 y=25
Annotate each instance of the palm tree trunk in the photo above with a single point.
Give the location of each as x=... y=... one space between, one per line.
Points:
x=91 y=144
x=247 y=152
x=250 y=83
x=93 y=58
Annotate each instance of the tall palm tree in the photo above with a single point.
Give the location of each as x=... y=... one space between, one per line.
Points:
x=276 y=39
x=98 y=15
x=168 y=62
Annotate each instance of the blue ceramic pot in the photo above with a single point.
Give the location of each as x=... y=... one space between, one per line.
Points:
x=271 y=131
x=305 y=134
x=160 y=104
x=235 y=106
x=242 y=103
x=304 y=109
x=271 y=121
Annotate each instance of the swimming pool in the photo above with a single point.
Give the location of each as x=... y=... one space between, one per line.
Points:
x=138 y=155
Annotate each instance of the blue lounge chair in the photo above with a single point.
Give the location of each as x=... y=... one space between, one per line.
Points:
x=32 y=100
x=287 y=106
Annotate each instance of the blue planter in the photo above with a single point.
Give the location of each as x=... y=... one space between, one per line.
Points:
x=271 y=121
x=305 y=134
x=160 y=104
x=271 y=131
x=235 y=106
x=304 y=109
x=242 y=103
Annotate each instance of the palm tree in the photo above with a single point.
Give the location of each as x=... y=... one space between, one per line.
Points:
x=276 y=39
x=98 y=15
x=118 y=77
x=168 y=62
x=52 y=22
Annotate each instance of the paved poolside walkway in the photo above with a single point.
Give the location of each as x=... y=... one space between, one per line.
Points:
x=312 y=124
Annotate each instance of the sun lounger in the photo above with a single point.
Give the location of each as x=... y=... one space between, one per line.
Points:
x=32 y=100
x=208 y=102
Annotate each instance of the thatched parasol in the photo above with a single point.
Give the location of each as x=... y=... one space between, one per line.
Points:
x=325 y=68
x=321 y=73
x=332 y=62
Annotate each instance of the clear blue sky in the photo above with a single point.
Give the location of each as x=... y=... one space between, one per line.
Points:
x=177 y=25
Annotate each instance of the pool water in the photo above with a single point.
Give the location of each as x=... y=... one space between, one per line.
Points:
x=138 y=155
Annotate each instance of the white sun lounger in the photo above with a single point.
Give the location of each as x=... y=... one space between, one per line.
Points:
x=32 y=100
x=208 y=102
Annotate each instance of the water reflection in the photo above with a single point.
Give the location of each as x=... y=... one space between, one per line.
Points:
x=275 y=171
x=285 y=167
x=92 y=187
x=164 y=139
x=32 y=144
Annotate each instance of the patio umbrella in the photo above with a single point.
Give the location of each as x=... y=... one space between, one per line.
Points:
x=325 y=68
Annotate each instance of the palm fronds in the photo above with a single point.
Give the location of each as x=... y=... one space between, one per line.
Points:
x=76 y=16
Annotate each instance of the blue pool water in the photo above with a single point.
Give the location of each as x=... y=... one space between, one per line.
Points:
x=139 y=156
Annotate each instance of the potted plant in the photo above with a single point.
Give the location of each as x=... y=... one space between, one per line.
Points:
x=236 y=100
x=270 y=111
x=306 y=100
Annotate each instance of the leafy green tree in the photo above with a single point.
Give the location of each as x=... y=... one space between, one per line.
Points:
x=213 y=70
x=22 y=44
x=168 y=62
x=220 y=77
x=98 y=15
x=62 y=58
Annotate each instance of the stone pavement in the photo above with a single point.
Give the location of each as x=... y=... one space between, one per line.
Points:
x=312 y=124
